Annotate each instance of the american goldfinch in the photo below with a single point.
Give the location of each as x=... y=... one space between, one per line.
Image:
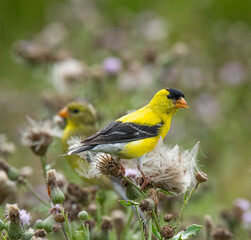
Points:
x=137 y=133
x=80 y=121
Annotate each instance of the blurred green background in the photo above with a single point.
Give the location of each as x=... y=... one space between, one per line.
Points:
x=200 y=47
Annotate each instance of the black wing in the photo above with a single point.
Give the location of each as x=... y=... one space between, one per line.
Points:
x=119 y=132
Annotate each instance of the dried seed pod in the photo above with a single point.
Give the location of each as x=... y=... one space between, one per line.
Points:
x=109 y=165
x=59 y=217
x=147 y=205
x=201 y=177
x=106 y=223
x=56 y=228
x=90 y=223
x=167 y=232
x=16 y=230
x=168 y=217
x=41 y=233
x=221 y=234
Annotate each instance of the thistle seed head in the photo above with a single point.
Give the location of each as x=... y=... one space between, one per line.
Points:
x=167 y=232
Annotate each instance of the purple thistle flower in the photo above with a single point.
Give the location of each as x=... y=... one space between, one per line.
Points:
x=131 y=172
x=24 y=217
x=246 y=218
x=242 y=203
x=112 y=65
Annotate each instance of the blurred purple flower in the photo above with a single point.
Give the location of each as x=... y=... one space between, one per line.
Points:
x=207 y=107
x=232 y=73
x=242 y=203
x=131 y=172
x=112 y=65
x=25 y=217
x=246 y=218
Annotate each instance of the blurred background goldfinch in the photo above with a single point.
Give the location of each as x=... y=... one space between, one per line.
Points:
x=81 y=122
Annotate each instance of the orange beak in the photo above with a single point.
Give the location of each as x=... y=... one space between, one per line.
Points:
x=181 y=103
x=64 y=113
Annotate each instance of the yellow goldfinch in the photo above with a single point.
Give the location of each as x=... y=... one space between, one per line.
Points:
x=80 y=121
x=137 y=133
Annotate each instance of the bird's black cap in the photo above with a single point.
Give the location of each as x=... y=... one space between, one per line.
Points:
x=174 y=94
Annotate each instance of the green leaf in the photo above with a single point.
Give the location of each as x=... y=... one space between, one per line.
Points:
x=189 y=232
x=166 y=192
x=156 y=233
x=185 y=195
x=128 y=203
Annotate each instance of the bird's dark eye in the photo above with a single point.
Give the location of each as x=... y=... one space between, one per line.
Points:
x=75 y=110
x=169 y=96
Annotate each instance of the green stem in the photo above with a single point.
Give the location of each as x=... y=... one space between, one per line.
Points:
x=156 y=220
x=150 y=229
x=68 y=229
x=99 y=214
x=127 y=225
x=132 y=183
x=86 y=232
x=40 y=199
x=185 y=201
x=64 y=231
x=140 y=223
x=43 y=163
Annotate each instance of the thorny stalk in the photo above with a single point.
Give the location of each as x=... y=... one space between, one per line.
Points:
x=185 y=201
x=140 y=223
x=153 y=211
x=150 y=229
x=64 y=231
x=68 y=229
x=43 y=163
x=132 y=183
x=86 y=232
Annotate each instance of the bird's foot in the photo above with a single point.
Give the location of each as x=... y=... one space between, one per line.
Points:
x=146 y=180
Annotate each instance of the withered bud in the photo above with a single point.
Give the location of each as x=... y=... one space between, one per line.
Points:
x=4 y=165
x=147 y=205
x=90 y=223
x=51 y=178
x=150 y=56
x=92 y=209
x=237 y=213
x=54 y=210
x=221 y=234
x=59 y=217
x=61 y=180
x=56 y=228
x=209 y=224
x=201 y=177
x=110 y=166
x=168 y=217
x=14 y=213
x=167 y=232
x=81 y=194
x=43 y=137
x=40 y=233
x=106 y=223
